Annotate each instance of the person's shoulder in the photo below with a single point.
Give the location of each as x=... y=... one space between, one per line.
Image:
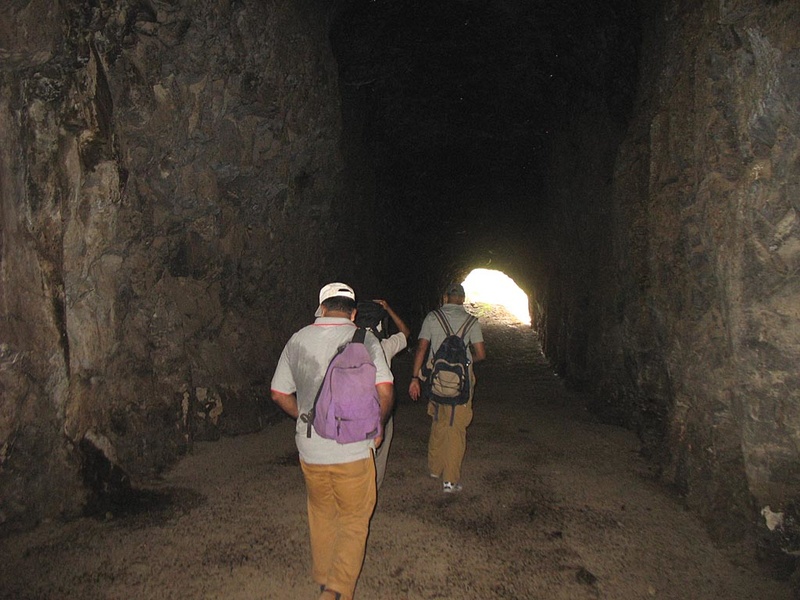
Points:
x=394 y=338
x=309 y=332
x=431 y=316
x=308 y=329
x=299 y=333
x=375 y=346
x=475 y=318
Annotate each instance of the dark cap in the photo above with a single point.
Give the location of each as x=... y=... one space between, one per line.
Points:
x=455 y=289
x=370 y=314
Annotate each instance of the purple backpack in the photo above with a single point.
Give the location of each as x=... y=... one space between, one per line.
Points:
x=347 y=408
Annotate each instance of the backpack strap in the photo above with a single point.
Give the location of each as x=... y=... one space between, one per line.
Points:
x=452 y=414
x=448 y=329
x=444 y=324
x=466 y=326
x=442 y=318
x=359 y=336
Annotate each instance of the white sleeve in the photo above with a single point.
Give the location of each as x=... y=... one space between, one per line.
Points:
x=283 y=378
x=393 y=344
x=384 y=373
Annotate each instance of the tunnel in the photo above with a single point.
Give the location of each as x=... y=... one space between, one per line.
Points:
x=179 y=178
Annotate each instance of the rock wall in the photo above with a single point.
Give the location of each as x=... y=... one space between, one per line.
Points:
x=693 y=335
x=176 y=182
x=172 y=195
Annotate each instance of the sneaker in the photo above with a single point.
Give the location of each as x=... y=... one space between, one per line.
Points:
x=451 y=488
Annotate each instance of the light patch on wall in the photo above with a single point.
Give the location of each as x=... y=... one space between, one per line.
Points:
x=495 y=287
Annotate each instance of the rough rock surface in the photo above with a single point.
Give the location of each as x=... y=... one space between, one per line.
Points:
x=169 y=171
x=674 y=293
x=177 y=178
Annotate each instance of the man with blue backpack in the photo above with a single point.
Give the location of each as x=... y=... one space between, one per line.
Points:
x=333 y=378
x=449 y=343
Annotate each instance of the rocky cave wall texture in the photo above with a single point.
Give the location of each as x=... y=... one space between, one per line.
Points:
x=684 y=323
x=176 y=184
x=172 y=199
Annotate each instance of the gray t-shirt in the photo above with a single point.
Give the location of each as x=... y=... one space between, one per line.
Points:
x=456 y=314
x=301 y=369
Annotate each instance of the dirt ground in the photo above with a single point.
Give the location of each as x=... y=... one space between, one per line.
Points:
x=555 y=506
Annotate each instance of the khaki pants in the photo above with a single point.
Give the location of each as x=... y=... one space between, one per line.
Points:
x=382 y=453
x=448 y=443
x=341 y=499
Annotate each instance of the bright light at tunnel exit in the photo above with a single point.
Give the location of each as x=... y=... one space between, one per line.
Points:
x=495 y=287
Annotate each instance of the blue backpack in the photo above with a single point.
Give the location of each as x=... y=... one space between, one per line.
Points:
x=347 y=408
x=446 y=374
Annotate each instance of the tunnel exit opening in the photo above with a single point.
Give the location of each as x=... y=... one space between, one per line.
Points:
x=495 y=287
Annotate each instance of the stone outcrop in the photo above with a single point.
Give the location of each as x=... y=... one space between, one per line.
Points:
x=684 y=322
x=169 y=174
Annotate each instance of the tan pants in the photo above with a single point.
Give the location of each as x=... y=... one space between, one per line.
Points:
x=382 y=453
x=341 y=499
x=448 y=443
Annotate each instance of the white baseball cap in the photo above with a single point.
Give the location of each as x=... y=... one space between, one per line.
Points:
x=331 y=290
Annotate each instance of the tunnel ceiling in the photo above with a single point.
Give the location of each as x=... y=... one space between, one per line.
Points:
x=460 y=98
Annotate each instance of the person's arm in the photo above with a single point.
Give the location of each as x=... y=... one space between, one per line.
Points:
x=287 y=402
x=401 y=326
x=478 y=352
x=414 y=388
x=283 y=379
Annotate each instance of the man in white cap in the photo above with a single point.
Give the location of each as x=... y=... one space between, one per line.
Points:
x=340 y=478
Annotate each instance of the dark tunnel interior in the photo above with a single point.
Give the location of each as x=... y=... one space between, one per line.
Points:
x=457 y=104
